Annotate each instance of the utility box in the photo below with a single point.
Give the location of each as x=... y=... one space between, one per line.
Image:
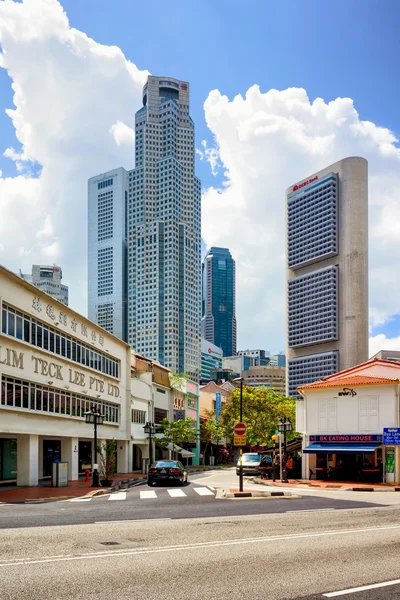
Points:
x=145 y=465
x=59 y=474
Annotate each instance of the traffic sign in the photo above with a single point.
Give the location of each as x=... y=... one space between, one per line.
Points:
x=239 y=440
x=240 y=429
x=391 y=436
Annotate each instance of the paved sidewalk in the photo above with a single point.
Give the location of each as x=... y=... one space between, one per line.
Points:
x=328 y=485
x=45 y=493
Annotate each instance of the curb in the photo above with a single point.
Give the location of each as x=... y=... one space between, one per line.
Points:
x=221 y=493
x=269 y=483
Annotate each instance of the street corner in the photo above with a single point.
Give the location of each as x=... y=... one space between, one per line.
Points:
x=233 y=494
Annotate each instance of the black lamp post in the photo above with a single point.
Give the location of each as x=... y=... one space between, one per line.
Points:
x=95 y=417
x=241 y=421
x=283 y=427
x=150 y=429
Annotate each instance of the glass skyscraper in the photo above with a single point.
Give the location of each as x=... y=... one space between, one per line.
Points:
x=162 y=229
x=219 y=300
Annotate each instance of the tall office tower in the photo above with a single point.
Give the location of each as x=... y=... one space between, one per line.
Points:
x=164 y=237
x=219 y=300
x=48 y=279
x=327 y=272
x=107 y=251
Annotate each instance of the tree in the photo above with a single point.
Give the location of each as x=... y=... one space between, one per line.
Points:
x=210 y=430
x=262 y=409
x=108 y=460
x=177 y=432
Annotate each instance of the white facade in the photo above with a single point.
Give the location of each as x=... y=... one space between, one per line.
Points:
x=107 y=251
x=54 y=365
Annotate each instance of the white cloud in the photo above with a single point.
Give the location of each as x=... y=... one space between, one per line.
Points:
x=74 y=99
x=381 y=342
x=266 y=141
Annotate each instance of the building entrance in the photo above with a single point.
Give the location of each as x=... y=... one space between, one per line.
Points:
x=8 y=459
x=85 y=456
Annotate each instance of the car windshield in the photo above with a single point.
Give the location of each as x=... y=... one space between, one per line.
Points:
x=251 y=457
x=166 y=464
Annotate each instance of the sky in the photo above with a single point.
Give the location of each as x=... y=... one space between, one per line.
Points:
x=279 y=90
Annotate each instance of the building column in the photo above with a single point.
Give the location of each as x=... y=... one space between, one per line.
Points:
x=122 y=456
x=70 y=454
x=27 y=460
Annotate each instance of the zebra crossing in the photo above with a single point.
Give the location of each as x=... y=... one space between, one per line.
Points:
x=153 y=494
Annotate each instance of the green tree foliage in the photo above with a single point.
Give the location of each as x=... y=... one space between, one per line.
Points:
x=262 y=409
x=210 y=431
x=177 y=432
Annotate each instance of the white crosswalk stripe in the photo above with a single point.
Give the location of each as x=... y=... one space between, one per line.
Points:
x=147 y=494
x=118 y=496
x=176 y=493
x=203 y=491
x=80 y=500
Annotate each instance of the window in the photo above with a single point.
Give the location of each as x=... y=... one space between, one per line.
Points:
x=103 y=184
x=368 y=413
x=43 y=336
x=327 y=414
x=23 y=395
x=138 y=416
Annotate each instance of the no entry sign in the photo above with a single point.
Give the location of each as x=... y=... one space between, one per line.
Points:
x=240 y=429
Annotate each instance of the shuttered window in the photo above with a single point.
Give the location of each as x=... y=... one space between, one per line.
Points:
x=327 y=415
x=368 y=413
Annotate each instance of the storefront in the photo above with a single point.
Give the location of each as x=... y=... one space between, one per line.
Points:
x=55 y=365
x=350 y=457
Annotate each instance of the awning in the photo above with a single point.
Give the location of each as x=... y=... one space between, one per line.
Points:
x=340 y=448
x=185 y=453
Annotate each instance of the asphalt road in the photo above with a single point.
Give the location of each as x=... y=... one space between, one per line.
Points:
x=267 y=556
x=195 y=500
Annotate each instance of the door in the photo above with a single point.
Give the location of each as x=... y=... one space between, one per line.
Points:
x=51 y=453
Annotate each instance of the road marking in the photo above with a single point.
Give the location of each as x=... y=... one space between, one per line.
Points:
x=80 y=500
x=203 y=491
x=144 y=495
x=176 y=493
x=130 y=521
x=363 y=588
x=310 y=510
x=196 y=546
x=118 y=496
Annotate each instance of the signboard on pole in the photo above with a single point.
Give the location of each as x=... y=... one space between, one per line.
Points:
x=217 y=406
x=240 y=429
x=391 y=436
x=239 y=440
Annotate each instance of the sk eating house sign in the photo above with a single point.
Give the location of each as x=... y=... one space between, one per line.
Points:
x=346 y=438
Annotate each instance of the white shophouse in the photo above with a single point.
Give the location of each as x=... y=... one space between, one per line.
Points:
x=54 y=365
x=342 y=418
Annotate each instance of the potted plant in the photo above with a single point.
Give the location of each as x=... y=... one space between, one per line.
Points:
x=107 y=462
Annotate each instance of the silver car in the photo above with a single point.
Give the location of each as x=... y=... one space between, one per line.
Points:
x=250 y=464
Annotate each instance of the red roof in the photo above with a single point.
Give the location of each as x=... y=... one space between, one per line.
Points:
x=373 y=372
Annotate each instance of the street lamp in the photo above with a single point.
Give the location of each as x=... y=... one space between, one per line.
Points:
x=284 y=427
x=241 y=421
x=95 y=417
x=150 y=429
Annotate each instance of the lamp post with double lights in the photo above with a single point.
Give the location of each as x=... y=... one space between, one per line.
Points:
x=283 y=427
x=95 y=417
x=150 y=429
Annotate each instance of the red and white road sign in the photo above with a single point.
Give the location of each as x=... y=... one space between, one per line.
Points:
x=240 y=429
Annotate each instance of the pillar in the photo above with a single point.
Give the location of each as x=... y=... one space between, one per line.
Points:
x=122 y=456
x=70 y=454
x=27 y=460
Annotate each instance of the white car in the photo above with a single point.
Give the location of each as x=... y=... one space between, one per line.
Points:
x=250 y=464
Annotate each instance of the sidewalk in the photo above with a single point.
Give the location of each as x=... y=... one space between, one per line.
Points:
x=46 y=493
x=328 y=485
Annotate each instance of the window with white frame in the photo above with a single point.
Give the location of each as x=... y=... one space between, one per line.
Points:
x=368 y=413
x=327 y=414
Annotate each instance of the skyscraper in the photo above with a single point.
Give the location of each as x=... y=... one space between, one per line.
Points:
x=164 y=235
x=219 y=300
x=48 y=278
x=327 y=272
x=107 y=251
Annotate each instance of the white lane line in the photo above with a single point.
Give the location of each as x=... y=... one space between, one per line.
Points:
x=131 y=521
x=118 y=496
x=363 y=588
x=203 y=491
x=210 y=487
x=176 y=493
x=310 y=510
x=197 y=546
x=144 y=495
x=80 y=500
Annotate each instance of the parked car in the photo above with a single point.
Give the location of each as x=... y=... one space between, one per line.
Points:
x=250 y=464
x=167 y=470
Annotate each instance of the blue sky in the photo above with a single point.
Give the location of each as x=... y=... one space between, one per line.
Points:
x=346 y=48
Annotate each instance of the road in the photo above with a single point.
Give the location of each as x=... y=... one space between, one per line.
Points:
x=262 y=548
